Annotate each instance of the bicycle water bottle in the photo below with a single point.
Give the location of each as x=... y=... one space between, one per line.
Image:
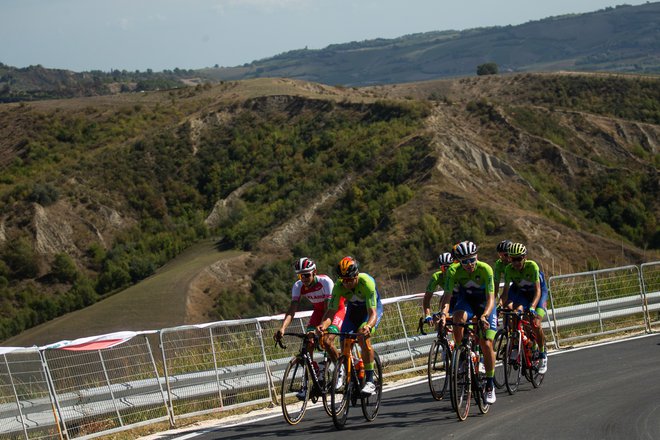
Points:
x=316 y=368
x=359 y=368
x=482 y=365
x=527 y=343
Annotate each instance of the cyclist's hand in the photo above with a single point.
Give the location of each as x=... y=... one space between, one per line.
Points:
x=319 y=330
x=278 y=336
x=485 y=325
x=365 y=330
x=532 y=311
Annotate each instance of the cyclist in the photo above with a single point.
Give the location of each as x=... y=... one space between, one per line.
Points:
x=500 y=264
x=364 y=311
x=317 y=288
x=476 y=299
x=525 y=289
x=437 y=281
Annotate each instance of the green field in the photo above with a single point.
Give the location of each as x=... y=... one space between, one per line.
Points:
x=156 y=302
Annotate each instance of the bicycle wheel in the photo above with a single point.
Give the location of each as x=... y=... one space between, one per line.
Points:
x=514 y=360
x=499 y=346
x=461 y=382
x=295 y=392
x=535 y=376
x=371 y=404
x=438 y=366
x=340 y=392
x=479 y=391
x=327 y=382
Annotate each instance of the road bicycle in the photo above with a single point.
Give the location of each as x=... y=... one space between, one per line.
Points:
x=499 y=347
x=520 y=357
x=346 y=389
x=303 y=381
x=438 y=366
x=467 y=379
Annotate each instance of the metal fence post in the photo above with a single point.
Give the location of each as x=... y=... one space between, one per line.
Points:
x=405 y=333
x=112 y=394
x=169 y=403
x=18 y=401
x=269 y=377
x=215 y=366
x=57 y=410
x=153 y=362
x=600 y=316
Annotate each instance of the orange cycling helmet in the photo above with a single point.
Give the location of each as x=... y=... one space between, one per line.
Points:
x=347 y=268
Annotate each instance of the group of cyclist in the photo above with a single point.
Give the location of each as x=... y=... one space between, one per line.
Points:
x=352 y=304
x=471 y=287
x=471 y=290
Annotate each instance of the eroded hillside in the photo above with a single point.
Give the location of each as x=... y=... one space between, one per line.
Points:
x=98 y=193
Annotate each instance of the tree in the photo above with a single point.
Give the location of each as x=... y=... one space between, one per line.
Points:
x=487 y=69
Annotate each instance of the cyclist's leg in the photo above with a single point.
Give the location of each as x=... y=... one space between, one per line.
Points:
x=368 y=355
x=462 y=312
x=328 y=340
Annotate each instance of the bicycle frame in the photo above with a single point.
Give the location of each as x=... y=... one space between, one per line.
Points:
x=346 y=393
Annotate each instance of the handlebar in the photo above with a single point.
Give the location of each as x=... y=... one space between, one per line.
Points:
x=310 y=335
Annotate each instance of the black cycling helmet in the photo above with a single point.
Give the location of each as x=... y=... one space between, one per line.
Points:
x=347 y=268
x=503 y=246
x=304 y=265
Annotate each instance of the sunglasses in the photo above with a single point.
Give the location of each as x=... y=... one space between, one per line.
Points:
x=305 y=275
x=469 y=260
x=517 y=258
x=347 y=279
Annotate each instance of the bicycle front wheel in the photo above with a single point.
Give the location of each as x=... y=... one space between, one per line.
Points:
x=480 y=392
x=536 y=377
x=499 y=347
x=371 y=404
x=295 y=391
x=340 y=392
x=461 y=382
x=327 y=383
x=438 y=367
x=513 y=363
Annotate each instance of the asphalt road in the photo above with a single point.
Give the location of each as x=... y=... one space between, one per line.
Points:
x=609 y=391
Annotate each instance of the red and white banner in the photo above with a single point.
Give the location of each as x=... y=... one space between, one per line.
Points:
x=95 y=342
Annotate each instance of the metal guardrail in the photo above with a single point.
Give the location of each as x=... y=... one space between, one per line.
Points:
x=50 y=393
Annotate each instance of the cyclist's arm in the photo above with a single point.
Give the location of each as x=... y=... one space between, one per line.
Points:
x=288 y=316
x=426 y=303
x=537 y=296
x=372 y=317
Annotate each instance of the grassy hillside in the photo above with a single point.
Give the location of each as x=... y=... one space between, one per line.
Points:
x=98 y=193
x=621 y=39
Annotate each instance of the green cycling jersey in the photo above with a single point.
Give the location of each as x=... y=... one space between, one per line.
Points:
x=364 y=292
x=477 y=282
x=524 y=280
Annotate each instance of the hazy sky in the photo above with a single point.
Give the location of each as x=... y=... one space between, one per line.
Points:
x=85 y=35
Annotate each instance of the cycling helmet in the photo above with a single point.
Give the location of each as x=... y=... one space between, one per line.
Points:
x=304 y=265
x=445 y=259
x=465 y=249
x=347 y=268
x=503 y=246
x=453 y=251
x=517 y=250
